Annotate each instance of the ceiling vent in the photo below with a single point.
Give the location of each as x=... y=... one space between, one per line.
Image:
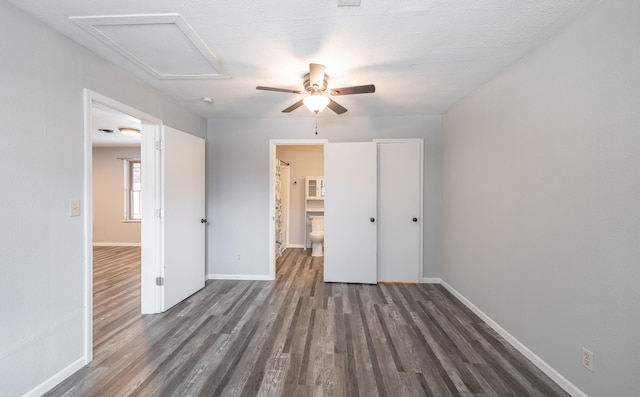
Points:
x=164 y=45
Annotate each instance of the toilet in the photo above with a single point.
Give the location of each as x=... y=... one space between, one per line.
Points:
x=317 y=235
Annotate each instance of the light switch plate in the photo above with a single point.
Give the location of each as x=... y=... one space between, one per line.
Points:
x=74 y=207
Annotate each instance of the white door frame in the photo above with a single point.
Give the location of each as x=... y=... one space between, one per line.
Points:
x=150 y=128
x=287 y=206
x=272 y=193
x=421 y=214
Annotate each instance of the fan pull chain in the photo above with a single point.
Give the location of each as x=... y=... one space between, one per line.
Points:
x=316 y=122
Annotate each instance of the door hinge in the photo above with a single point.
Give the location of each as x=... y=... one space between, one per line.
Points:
x=160 y=281
x=159 y=145
x=159 y=213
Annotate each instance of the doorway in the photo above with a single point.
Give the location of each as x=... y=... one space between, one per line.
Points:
x=96 y=106
x=116 y=235
x=298 y=166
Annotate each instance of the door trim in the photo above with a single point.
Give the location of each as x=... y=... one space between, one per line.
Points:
x=421 y=211
x=149 y=122
x=272 y=192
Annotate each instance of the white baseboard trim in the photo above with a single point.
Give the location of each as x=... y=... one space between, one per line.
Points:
x=251 y=277
x=117 y=244
x=57 y=378
x=427 y=280
x=295 y=246
x=537 y=361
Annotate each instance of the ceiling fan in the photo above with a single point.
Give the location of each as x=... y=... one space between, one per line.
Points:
x=315 y=83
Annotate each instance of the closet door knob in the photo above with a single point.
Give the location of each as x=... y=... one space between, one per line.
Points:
x=415 y=219
x=203 y=220
x=372 y=220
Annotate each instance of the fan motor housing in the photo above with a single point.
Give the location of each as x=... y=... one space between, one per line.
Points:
x=309 y=88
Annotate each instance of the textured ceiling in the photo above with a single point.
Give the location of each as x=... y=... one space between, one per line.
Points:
x=422 y=55
x=106 y=118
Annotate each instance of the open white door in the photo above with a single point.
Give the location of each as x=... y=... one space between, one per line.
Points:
x=183 y=187
x=399 y=211
x=350 y=174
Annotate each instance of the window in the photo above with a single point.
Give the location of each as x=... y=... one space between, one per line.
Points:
x=133 y=190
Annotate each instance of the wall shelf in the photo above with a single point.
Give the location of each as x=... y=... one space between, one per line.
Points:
x=313 y=203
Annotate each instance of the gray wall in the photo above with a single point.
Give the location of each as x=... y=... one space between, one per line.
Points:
x=109 y=227
x=42 y=75
x=238 y=182
x=541 y=199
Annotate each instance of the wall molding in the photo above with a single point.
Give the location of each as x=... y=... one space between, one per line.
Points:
x=53 y=381
x=537 y=361
x=248 y=277
x=427 y=280
x=117 y=244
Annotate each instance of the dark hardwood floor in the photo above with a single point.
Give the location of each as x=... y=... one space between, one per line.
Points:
x=296 y=336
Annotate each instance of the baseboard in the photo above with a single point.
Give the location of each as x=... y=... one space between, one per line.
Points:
x=537 y=361
x=295 y=246
x=251 y=277
x=56 y=379
x=431 y=280
x=117 y=244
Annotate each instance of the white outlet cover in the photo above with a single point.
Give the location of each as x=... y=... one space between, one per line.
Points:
x=587 y=359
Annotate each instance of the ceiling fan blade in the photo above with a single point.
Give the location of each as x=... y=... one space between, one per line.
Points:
x=360 y=89
x=293 y=107
x=278 y=89
x=316 y=74
x=336 y=107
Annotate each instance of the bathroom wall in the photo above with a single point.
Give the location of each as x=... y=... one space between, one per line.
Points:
x=305 y=160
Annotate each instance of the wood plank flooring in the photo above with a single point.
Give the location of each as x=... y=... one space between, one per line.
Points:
x=296 y=336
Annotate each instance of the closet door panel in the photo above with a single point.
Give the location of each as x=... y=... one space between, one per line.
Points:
x=399 y=212
x=350 y=224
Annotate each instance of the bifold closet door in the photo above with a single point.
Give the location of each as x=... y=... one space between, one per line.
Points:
x=350 y=177
x=399 y=202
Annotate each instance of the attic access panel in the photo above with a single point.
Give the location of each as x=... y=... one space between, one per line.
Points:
x=163 y=45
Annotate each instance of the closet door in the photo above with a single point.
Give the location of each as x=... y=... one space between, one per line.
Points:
x=350 y=173
x=399 y=210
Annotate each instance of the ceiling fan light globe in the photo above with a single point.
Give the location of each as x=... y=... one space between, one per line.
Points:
x=316 y=103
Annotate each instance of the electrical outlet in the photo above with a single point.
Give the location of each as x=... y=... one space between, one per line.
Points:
x=238 y=256
x=587 y=359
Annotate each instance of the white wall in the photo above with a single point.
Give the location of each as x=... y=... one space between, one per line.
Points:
x=238 y=181
x=42 y=76
x=109 y=227
x=541 y=198
x=307 y=160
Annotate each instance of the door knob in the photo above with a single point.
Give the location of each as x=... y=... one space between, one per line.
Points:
x=203 y=220
x=415 y=219
x=372 y=220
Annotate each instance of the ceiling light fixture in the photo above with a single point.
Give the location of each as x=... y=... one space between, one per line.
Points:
x=129 y=131
x=316 y=102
